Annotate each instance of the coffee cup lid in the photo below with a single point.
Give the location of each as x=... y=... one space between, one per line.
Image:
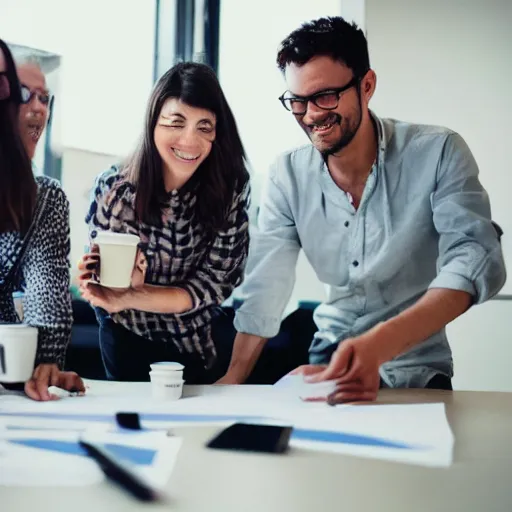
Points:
x=167 y=365
x=109 y=237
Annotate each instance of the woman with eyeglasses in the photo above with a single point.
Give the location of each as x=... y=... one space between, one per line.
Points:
x=185 y=193
x=34 y=246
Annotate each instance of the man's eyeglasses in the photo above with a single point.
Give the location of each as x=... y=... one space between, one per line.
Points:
x=326 y=100
x=27 y=95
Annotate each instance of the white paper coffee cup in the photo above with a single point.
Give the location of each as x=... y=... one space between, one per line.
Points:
x=18 y=346
x=117 y=258
x=165 y=387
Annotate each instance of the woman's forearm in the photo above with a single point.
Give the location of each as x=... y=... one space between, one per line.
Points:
x=158 y=299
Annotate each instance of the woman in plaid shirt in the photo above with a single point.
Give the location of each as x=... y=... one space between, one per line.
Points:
x=185 y=193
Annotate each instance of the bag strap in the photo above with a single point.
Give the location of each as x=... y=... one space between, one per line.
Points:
x=40 y=204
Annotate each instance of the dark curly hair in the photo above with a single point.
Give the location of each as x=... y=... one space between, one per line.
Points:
x=333 y=37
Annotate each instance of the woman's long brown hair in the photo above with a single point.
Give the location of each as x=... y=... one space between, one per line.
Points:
x=219 y=177
x=18 y=187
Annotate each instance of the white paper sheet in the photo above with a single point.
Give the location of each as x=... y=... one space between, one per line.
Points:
x=296 y=386
x=417 y=433
x=48 y=455
x=413 y=433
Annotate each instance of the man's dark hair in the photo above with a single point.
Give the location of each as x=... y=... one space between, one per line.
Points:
x=333 y=37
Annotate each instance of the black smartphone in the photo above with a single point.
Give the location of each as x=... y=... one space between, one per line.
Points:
x=253 y=438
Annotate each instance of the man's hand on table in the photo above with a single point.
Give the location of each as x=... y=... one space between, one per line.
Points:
x=46 y=375
x=354 y=366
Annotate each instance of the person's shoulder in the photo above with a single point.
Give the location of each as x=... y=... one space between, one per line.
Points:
x=107 y=179
x=296 y=163
x=406 y=135
x=47 y=183
x=300 y=155
x=52 y=189
x=54 y=204
x=113 y=183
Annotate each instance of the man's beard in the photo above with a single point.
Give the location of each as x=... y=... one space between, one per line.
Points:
x=351 y=131
x=346 y=137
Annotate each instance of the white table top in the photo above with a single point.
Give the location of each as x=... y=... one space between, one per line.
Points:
x=210 y=480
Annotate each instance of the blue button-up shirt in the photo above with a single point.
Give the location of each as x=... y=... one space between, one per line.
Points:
x=424 y=221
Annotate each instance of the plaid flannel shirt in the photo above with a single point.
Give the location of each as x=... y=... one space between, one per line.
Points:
x=179 y=254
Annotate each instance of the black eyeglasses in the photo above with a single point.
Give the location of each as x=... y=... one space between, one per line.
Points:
x=27 y=95
x=326 y=100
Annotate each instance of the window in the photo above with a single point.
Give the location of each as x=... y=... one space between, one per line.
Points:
x=249 y=40
x=106 y=51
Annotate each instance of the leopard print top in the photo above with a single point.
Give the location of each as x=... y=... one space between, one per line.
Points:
x=43 y=276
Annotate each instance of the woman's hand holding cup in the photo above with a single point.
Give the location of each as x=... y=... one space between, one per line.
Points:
x=110 y=299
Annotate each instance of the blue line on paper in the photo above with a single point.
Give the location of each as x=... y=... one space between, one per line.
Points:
x=145 y=417
x=135 y=455
x=325 y=436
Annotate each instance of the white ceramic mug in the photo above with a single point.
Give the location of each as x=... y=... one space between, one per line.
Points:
x=117 y=258
x=18 y=347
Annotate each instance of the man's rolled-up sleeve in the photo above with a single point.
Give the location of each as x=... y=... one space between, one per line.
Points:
x=270 y=275
x=470 y=253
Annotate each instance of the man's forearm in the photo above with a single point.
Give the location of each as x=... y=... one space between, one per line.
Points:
x=246 y=351
x=158 y=299
x=437 y=308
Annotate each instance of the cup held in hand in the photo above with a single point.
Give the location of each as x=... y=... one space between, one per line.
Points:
x=117 y=258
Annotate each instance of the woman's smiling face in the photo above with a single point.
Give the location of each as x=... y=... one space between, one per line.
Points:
x=183 y=136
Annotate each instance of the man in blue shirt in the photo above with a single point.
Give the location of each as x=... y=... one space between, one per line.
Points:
x=391 y=215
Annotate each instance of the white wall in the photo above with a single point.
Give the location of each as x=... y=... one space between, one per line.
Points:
x=79 y=170
x=107 y=49
x=482 y=347
x=448 y=62
x=248 y=46
x=105 y=78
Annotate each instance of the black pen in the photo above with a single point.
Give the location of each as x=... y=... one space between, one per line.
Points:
x=120 y=473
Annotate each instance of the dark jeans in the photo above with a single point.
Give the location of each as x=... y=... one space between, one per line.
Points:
x=127 y=356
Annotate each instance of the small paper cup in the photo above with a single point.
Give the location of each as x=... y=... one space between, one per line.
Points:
x=117 y=258
x=166 y=390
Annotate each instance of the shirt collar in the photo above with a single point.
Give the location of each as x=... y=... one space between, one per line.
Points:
x=384 y=134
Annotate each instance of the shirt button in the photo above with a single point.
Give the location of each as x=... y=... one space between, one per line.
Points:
x=355 y=263
x=347 y=223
